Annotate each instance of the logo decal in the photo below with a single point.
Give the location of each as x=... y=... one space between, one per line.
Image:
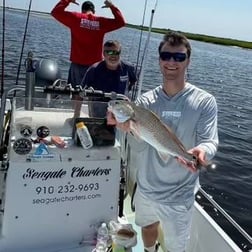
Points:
x=41 y=153
x=22 y=146
x=42 y=150
x=26 y=131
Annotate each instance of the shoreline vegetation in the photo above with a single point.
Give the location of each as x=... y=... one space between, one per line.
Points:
x=192 y=36
x=200 y=37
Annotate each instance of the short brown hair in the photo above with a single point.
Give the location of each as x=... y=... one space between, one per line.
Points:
x=111 y=43
x=175 y=39
x=88 y=6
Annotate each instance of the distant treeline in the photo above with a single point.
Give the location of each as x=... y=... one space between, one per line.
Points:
x=200 y=37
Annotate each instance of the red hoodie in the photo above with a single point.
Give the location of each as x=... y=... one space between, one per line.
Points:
x=87 y=31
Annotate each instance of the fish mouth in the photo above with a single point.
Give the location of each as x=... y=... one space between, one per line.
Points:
x=114 y=102
x=117 y=109
x=111 y=104
x=109 y=108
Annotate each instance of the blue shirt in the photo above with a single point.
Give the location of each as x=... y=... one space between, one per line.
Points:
x=100 y=77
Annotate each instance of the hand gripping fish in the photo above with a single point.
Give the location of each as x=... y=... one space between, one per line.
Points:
x=146 y=125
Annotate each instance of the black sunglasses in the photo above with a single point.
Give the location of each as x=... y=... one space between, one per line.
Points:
x=177 y=56
x=112 y=52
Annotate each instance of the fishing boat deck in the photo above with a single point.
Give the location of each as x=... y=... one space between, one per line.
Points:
x=206 y=235
x=203 y=227
x=130 y=216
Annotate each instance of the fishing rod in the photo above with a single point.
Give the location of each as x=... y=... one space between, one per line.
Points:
x=134 y=89
x=141 y=35
x=138 y=89
x=3 y=48
x=22 y=50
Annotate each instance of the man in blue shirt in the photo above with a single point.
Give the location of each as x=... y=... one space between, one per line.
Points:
x=111 y=74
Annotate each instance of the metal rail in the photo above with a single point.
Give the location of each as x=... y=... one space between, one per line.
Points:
x=226 y=215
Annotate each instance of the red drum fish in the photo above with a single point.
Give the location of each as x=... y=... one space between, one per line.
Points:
x=145 y=125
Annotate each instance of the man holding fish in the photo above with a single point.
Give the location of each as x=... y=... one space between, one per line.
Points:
x=179 y=122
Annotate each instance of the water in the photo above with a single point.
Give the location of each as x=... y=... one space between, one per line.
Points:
x=223 y=71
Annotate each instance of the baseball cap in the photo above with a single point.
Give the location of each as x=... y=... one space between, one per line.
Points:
x=88 y=6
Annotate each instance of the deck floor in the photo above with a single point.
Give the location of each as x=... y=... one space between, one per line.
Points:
x=130 y=216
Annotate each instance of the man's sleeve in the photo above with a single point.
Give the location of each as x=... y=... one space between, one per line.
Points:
x=132 y=74
x=89 y=77
x=59 y=13
x=110 y=24
x=207 y=131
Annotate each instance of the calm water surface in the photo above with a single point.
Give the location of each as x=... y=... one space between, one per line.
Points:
x=223 y=71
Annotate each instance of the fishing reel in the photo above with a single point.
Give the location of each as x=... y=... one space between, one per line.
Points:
x=46 y=70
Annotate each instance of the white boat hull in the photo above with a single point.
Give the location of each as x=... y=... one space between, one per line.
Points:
x=206 y=235
x=45 y=198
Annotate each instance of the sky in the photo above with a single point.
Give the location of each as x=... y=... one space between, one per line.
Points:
x=221 y=18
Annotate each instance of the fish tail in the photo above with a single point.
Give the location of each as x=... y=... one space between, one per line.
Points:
x=193 y=165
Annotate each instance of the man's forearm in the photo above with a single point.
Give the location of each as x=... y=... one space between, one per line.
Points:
x=60 y=8
x=118 y=15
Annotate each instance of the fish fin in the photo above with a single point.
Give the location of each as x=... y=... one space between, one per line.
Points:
x=174 y=137
x=164 y=156
x=134 y=130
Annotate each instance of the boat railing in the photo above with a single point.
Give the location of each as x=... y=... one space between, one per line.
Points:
x=57 y=89
x=217 y=208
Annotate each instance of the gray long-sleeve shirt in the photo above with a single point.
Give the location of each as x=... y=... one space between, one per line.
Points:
x=192 y=115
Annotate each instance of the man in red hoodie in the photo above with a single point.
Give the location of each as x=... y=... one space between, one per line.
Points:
x=87 y=33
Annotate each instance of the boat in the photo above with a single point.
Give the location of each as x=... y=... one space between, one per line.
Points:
x=54 y=194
